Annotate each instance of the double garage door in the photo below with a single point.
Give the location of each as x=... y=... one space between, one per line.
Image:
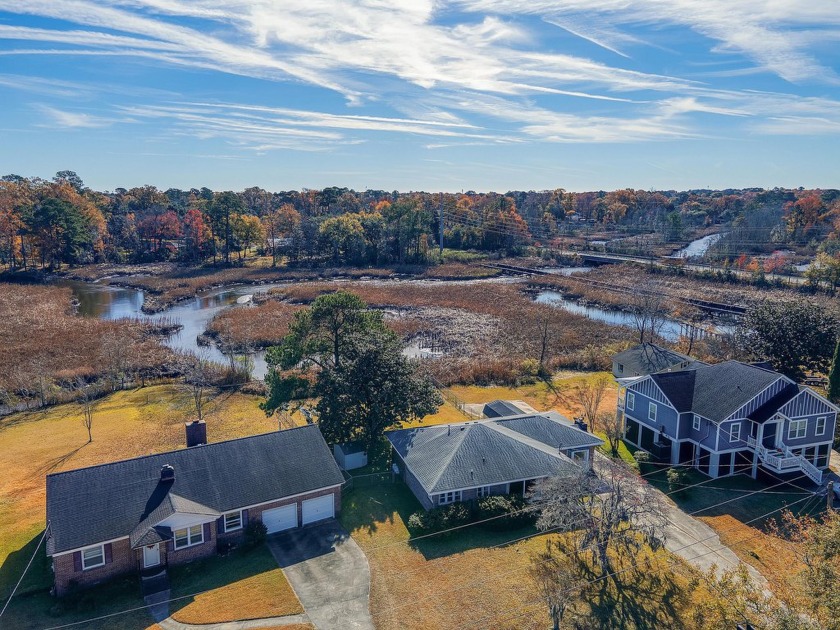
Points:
x=286 y=517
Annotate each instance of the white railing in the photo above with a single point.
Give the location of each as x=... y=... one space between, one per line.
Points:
x=751 y=442
x=786 y=460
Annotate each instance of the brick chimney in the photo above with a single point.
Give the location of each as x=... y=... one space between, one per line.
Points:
x=196 y=433
x=167 y=473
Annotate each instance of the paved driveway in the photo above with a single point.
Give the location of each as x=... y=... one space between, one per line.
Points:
x=329 y=573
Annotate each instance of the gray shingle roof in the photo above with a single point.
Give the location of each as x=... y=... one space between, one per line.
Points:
x=648 y=358
x=500 y=409
x=714 y=391
x=486 y=452
x=560 y=433
x=91 y=505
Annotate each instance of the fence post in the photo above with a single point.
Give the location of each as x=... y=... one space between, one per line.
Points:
x=830 y=496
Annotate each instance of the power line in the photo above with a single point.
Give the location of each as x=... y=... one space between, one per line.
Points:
x=28 y=564
x=635 y=564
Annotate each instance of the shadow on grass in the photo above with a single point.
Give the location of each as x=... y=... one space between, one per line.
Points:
x=371 y=508
x=38 y=577
x=641 y=597
x=752 y=501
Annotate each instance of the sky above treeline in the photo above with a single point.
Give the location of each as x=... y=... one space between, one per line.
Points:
x=421 y=95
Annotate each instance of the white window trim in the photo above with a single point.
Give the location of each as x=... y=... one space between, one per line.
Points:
x=695 y=423
x=190 y=542
x=630 y=400
x=444 y=497
x=735 y=432
x=794 y=435
x=234 y=513
x=652 y=409
x=482 y=491
x=101 y=548
x=824 y=420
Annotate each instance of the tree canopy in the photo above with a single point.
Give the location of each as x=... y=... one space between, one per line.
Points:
x=343 y=353
x=794 y=336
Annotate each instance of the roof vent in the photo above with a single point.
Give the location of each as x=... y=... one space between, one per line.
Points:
x=167 y=473
x=196 y=433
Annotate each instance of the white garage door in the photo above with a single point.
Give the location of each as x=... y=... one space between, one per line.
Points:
x=318 y=509
x=281 y=518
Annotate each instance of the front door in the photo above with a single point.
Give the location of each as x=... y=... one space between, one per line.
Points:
x=151 y=556
x=769 y=438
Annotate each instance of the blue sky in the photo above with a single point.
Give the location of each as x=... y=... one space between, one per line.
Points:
x=422 y=95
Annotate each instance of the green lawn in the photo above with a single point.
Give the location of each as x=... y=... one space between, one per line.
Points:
x=243 y=585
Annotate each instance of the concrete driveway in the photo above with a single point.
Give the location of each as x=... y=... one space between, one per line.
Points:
x=329 y=573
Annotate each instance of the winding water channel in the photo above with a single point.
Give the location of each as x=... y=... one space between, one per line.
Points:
x=112 y=302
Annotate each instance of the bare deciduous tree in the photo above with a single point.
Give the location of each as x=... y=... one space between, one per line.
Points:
x=612 y=513
x=557 y=579
x=86 y=397
x=649 y=310
x=199 y=374
x=589 y=397
x=612 y=425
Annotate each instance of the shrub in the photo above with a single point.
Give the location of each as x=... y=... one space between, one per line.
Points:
x=457 y=514
x=255 y=533
x=677 y=480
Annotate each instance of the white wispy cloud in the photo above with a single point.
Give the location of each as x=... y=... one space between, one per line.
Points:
x=465 y=72
x=55 y=117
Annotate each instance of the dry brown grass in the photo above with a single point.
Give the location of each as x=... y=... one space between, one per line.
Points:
x=44 y=345
x=240 y=586
x=246 y=328
x=778 y=560
x=489 y=328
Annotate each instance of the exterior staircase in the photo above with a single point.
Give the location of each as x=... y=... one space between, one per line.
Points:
x=784 y=460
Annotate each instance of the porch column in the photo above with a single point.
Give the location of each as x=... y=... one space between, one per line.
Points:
x=714 y=460
x=675 y=453
x=754 y=473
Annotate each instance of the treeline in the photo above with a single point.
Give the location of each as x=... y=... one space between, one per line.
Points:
x=50 y=223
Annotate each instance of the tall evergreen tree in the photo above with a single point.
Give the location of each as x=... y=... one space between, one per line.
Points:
x=834 y=375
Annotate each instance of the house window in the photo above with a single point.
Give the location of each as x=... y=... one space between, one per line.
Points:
x=189 y=536
x=580 y=457
x=483 y=491
x=696 y=422
x=93 y=557
x=630 y=400
x=821 y=425
x=233 y=521
x=652 y=412
x=735 y=432
x=449 y=497
x=620 y=367
x=797 y=429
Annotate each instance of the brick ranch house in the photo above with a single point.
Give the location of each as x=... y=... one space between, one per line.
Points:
x=449 y=463
x=148 y=513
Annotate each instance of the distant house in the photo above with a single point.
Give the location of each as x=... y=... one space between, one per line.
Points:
x=730 y=418
x=147 y=513
x=448 y=463
x=648 y=358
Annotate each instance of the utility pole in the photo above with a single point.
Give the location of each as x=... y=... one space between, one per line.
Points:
x=829 y=498
x=440 y=219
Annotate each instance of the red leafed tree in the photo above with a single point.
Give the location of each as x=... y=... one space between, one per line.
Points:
x=197 y=235
x=157 y=228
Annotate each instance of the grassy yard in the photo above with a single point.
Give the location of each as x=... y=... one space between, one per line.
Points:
x=476 y=578
x=240 y=586
x=126 y=424
x=752 y=540
x=246 y=585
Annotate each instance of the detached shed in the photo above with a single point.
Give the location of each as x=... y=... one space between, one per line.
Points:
x=350 y=455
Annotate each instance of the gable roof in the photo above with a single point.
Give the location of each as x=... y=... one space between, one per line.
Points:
x=488 y=452
x=714 y=391
x=648 y=358
x=128 y=498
